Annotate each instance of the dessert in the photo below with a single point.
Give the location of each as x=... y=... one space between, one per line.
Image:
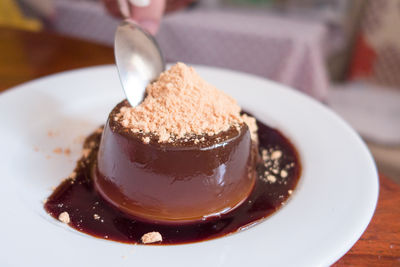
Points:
x=184 y=154
x=185 y=165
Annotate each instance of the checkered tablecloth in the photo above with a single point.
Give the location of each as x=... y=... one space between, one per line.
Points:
x=288 y=51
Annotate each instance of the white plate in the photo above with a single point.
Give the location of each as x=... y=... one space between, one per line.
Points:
x=328 y=212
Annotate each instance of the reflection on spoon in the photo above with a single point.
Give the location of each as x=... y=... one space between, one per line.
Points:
x=138 y=58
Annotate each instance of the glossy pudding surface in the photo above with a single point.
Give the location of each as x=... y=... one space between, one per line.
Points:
x=178 y=181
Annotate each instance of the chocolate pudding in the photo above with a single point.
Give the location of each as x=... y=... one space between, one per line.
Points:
x=176 y=167
x=174 y=181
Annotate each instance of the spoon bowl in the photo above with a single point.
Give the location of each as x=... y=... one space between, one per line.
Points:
x=139 y=60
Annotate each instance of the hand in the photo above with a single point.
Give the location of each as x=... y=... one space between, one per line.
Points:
x=148 y=17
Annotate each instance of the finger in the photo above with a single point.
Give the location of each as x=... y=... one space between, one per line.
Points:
x=124 y=8
x=112 y=8
x=141 y=3
x=149 y=17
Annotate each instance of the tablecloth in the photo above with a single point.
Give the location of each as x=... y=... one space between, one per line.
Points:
x=288 y=51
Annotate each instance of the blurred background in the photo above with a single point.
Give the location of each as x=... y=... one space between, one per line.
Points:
x=343 y=53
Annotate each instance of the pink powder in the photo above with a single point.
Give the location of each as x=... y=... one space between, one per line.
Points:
x=181 y=104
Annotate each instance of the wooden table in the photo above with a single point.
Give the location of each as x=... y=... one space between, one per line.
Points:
x=25 y=56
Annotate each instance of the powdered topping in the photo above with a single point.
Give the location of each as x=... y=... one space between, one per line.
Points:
x=274 y=171
x=72 y=175
x=151 y=237
x=180 y=104
x=251 y=123
x=64 y=217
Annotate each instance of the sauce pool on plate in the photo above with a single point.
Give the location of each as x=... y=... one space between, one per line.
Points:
x=278 y=172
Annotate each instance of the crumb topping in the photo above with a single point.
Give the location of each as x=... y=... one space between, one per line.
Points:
x=60 y=150
x=274 y=170
x=151 y=237
x=181 y=103
x=99 y=130
x=72 y=175
x=51 y=133
x=252 y=124
x=270 y=178
x=64 y=217
x=86 y=152
x=67 y=151
x=57 y=150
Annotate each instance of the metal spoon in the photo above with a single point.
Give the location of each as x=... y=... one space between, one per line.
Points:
x=138 y=58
